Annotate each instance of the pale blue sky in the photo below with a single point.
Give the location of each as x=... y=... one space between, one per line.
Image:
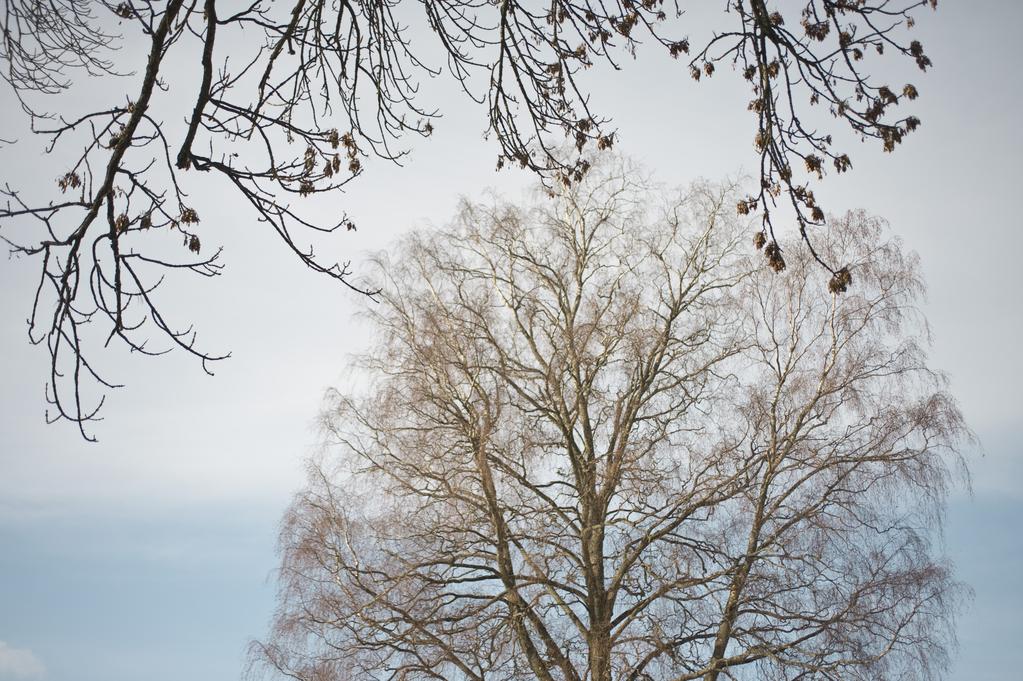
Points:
x=150 y=554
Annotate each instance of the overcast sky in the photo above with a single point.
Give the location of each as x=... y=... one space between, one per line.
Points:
x=150 y=554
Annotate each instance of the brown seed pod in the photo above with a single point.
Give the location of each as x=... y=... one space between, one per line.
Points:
x=841 y=281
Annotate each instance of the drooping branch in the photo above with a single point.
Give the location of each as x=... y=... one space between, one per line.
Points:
x=290 y=100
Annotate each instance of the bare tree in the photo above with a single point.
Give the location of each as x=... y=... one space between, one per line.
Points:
x=596 y=441
x=287 y=99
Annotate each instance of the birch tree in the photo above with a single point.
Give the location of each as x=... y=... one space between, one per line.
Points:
x=596 y=440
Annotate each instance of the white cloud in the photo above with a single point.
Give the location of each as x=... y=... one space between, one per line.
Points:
x=19 y=664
